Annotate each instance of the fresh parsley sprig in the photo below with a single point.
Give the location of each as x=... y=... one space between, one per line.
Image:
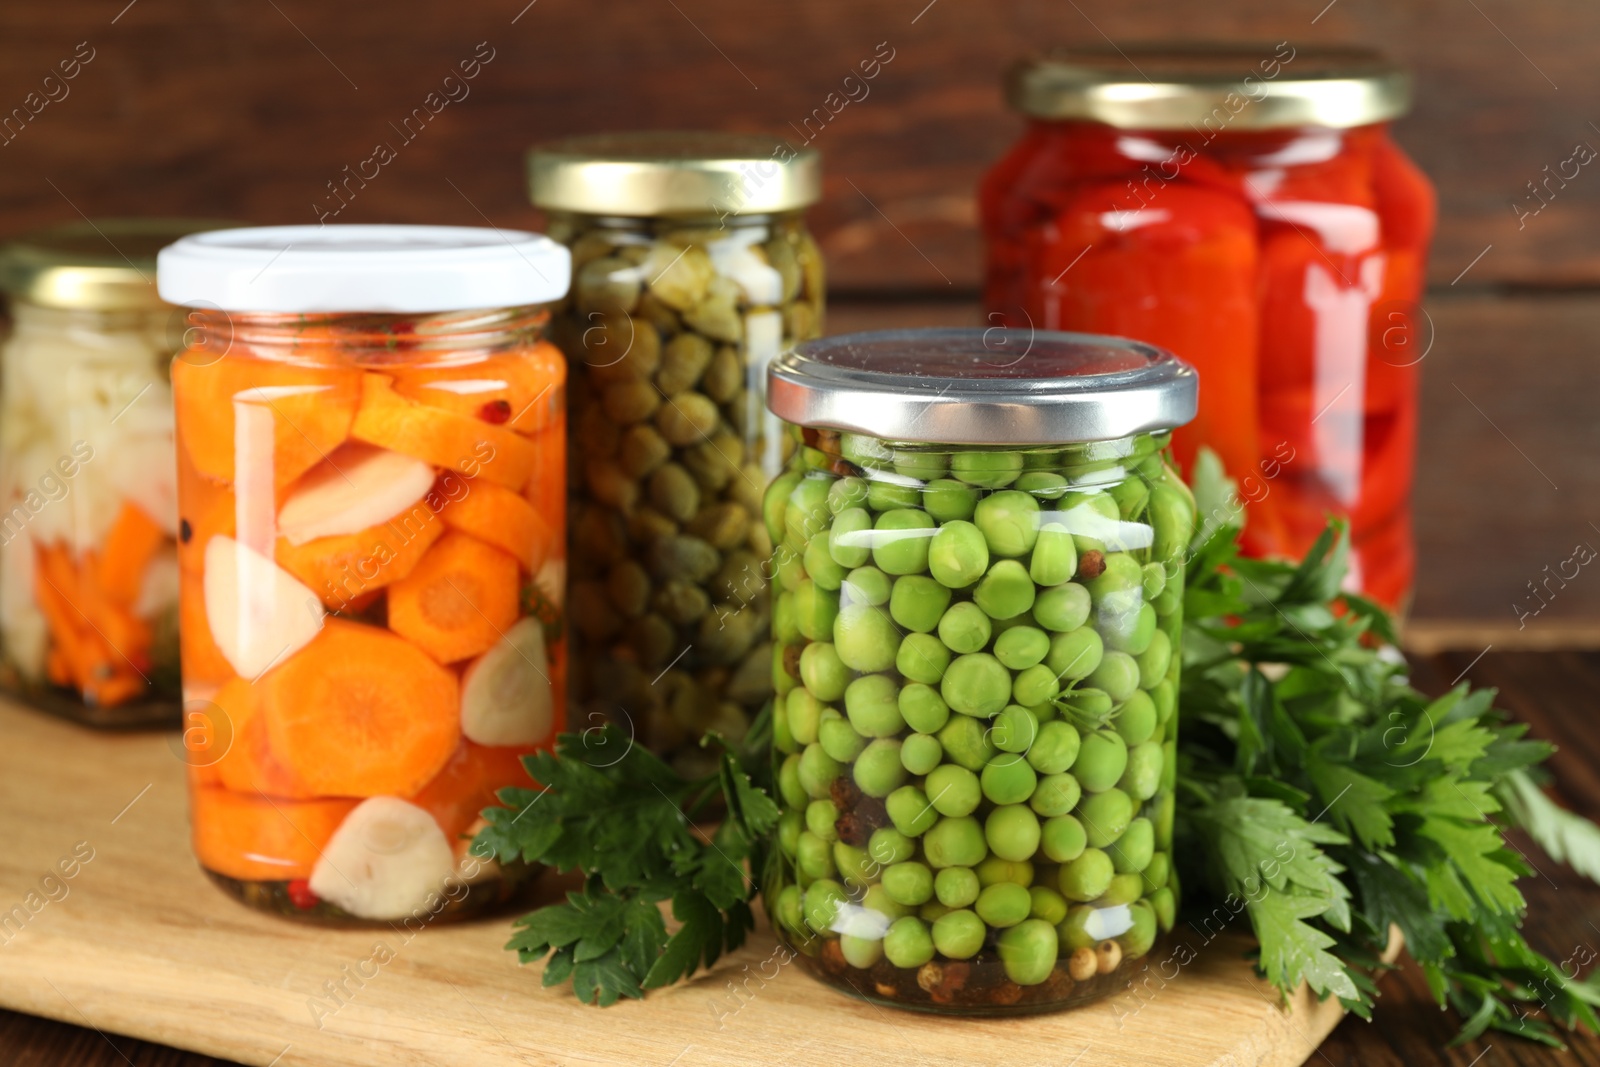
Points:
x=625 y=820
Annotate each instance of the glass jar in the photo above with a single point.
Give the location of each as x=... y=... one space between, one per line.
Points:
x=980 y=566
x=692 y=269
x=1248 y=211
x=88 y=503
x=371 y=477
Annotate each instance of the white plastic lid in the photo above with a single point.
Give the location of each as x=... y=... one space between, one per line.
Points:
x=297 y=269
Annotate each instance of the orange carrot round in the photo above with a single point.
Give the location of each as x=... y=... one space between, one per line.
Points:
x=440 y=437
x=521 y=390
x=261 y=838
x=249 y=765
x=343 y=569
x=359 y=712
x=505 y=520
x=458 y=601
x=203 y=662
x=468 y=784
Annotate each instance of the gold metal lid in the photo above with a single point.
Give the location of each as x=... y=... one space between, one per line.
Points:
x=1212 y=88
x=102 y=266
x=652 y=173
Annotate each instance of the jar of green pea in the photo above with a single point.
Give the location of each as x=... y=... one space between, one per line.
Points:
x=979 y=564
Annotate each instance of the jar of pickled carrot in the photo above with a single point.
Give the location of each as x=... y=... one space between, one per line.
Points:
x=1248 y=210
x=88 y=500
x=371 y=479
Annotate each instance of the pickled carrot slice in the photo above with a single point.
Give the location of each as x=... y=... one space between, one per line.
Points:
x=105 y=648
x=468 y=783
x=203 y=662
x=341 y=570
x=305 y=413
x=458 y=601
x=441 y=437
x=249 y=765
x=205 y=510
x=133 y=542
x=505 y=520
x=521 y=390
x=256 y=838
x=359 y=712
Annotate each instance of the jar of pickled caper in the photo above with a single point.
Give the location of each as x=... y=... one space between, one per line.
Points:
x=981 y=542
x=692 y=269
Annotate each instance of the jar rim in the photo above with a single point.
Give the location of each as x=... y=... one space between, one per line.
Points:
x=1211 y=88
x=970 y=386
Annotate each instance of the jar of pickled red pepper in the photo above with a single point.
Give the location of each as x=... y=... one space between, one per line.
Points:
x=692 y=269
x=1247 y=209
x=88 y=500
x=978 y=609
x=371 y=484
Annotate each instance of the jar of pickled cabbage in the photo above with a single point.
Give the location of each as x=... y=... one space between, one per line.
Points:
x=88 y=502
x=371 y=483
x=692 y=269
x=978 y=609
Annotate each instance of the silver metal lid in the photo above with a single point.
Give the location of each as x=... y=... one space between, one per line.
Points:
x=983 y=387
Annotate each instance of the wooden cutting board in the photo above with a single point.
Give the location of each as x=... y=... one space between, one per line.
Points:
x=138 y=942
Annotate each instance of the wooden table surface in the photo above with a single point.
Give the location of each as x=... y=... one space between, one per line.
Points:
x=1552 y=690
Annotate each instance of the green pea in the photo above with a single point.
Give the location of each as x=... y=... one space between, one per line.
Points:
x=964 y=628
x=1124 y=889
x=847 y=492
x=864 y=586
x=1130 y=632
x=1044 y=485
x=1154 y=661
x=966 y=743
x=1063 y=838
x=821 y=904
x=1009 y=521
x=776 y=501
x=856 y=868
x=908 y=942
x=1003 y=904
x=850 y=537
x=1171 y=521
x=1012 y=831
x=1165 y=698
x=838 y=738
x=1131 y=495
x=1117 y=674
x=1055 y=557
x=958 y=555
x=995 y=869
x=820 y=817
x=1056 y=794
x=1155 y=580
x=1133 y=851
x=922 y=658
x=921 y=753
x=1158 y=870
x=1035 y=686
x=1101 y=760
x=1169 y=602
x=782 y=736
x=817 y=771
x=1014 y=729
x=1135 y=721
x=1087 y=704
x=1006 y=591
x=865 y=638
x=875 y=899
x=888 y=846
x=1142 y=777
x=865 y=450
x=954 y=792
x=920 y=464
x=814 y=856
x=1048 y=905
x=1008 y=779
x=860 y=952
x=956 y=887
x=790 y=823
x=899 y=541
x=917 y=602
x=1081 y=928
x=785 y=624
x=988 y=470
x=908 y=883
x=789 y=786
x=1122 y=576
x=955 y=842
x=807 y=511
x=886 y=495
x=922 y=708
x=820 y=566
x=878 y=770
x=822 y=670
x=1139 y=938
x=1028 y=951
x=959 y=935
x=1165 y=906
x=1163 y=819
x=1062 y=607
x=815 y=610
x=1056 y=748
x=872 y=703
x=1093 y=517
x=947 y=499
x=786 y=911
x=1075 y=654
x=805 y=715
x=1086 y=877
x=1021 y=647
x=909 y=811
x=1105 y=816
x=976 y=684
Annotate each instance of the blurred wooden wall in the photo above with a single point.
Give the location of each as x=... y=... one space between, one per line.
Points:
x=251 y=108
